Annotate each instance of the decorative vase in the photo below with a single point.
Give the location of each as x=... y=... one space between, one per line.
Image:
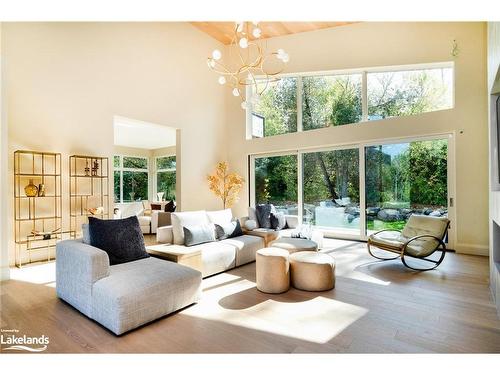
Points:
x=31 y=190
x=41 y=190
x=160 y=196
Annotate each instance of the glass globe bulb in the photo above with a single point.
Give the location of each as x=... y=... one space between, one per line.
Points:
x=285 y=58
x=244 y=105
x=222 y=80
x=256 y=32
x=281 y=52
x=216 y=54
x=236 y=92
x=243 y=43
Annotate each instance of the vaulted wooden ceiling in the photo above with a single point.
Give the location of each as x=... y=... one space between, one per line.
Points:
x=223 y=31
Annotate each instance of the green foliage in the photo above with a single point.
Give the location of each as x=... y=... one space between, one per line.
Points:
x=331 y=175
x=135 y=186
x=165 y=182
x=276 y=179
x=166 y=162
x=379 y=224
x=331 y=101
x=403 y=93
x=278 y=105
x=416 y=175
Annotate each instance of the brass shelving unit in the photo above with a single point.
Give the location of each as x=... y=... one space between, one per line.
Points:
x=88 y=189
x=37 y=218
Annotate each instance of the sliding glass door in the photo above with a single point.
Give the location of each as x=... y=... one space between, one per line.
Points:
x=351 y=192
x=404 y=179
x=331 y=190
x=276 y=182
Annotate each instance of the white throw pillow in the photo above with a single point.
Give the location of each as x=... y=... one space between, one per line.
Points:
x=250 y=224
x=252 y=215
x=220 y=217
x=183 y=219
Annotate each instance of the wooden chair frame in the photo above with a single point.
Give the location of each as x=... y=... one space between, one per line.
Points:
x=401 y=250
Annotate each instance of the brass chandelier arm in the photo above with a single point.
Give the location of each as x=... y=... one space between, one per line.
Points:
x=252 y=71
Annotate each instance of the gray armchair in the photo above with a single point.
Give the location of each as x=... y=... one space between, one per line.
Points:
x=420 y=238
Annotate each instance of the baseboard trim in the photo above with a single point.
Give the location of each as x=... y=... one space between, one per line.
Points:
x=472 y=249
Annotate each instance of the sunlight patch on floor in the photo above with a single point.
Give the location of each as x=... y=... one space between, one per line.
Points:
x=43 y=274
x=219 y=280
x=316 y=320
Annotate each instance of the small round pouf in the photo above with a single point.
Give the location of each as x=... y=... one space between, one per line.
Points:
x=294 y=245
x=313 y=272
x=272 y=270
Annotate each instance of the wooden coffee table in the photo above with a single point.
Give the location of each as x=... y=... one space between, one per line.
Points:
x=179 y=254
x=268 y=235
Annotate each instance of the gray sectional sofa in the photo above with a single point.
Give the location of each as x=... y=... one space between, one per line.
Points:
x=124 y=296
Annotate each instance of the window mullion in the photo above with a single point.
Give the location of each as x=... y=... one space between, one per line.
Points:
x=364 y=96
x=121 y=179
x=299 y=104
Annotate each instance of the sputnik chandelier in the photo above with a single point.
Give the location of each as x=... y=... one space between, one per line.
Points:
x=247 y=64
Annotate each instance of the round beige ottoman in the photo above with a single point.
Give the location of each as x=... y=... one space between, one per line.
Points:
x=272 y=270
x=294 y=245
x=313 y=272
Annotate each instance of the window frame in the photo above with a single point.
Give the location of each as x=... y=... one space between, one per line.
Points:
x=361 y=145
x=158 y=170
x=364 y=89
x=122 y=169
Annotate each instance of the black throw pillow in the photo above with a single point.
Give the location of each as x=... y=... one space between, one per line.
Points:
x=229 y=230
x=263 y=213
x=170 y=207
x=278 y=221
x=122 y=239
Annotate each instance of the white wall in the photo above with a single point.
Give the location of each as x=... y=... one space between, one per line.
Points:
x=383 y=44
x=4 y=218
x=66 y=81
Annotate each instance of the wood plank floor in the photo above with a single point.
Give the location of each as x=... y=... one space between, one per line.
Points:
x=376 y=307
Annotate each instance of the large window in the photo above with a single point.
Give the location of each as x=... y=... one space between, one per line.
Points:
x=276 y=182
x=404 y=179
x=166 y=176
x=402 y=93
x=312 y=101
x=331 y=189
x=331 y=100
x=130 y=178
x=353 y=191
x=277 y=107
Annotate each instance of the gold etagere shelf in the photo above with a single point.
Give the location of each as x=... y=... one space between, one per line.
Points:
x=88 y=189
x=37 y=204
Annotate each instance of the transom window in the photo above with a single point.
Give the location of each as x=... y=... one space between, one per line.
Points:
x=312 y=101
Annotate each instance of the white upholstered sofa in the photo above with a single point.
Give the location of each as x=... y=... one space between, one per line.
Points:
x=149 y=220
x=217 y=256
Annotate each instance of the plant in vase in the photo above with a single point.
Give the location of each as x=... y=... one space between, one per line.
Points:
x=225 y=185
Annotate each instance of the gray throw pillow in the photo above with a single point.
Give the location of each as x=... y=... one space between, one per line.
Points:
x=198 y=234
x=278 y=221
x=263 y=212
x=229 y=230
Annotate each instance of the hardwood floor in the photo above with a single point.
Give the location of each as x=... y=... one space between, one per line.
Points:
x=376 y=307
